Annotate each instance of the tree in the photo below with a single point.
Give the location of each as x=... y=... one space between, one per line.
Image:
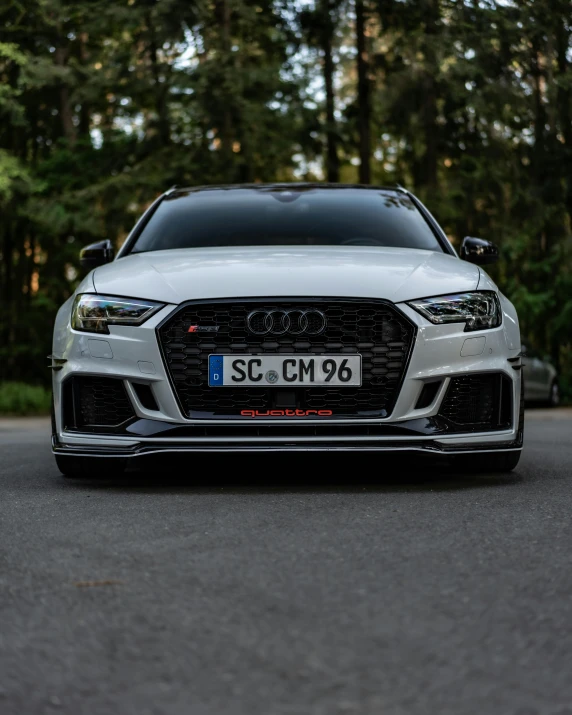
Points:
x=103 y=105
x=319 y=27
x=363 y=93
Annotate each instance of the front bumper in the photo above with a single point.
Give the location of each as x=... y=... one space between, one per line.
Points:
x=132 y=354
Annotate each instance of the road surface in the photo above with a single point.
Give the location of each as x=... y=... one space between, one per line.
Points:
x=223 y=589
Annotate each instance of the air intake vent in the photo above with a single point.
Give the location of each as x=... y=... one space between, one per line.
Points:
x=145 y=396
x=479 y=402
x=92 y=402
x=428 y=394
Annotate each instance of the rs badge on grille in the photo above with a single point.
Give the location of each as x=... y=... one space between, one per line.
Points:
x=203 y=329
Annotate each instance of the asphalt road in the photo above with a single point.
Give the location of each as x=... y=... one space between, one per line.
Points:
x=340 y=589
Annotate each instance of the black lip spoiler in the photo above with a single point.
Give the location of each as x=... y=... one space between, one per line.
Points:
x=429 y=447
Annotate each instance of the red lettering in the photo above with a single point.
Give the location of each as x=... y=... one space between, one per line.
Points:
x=285 y=413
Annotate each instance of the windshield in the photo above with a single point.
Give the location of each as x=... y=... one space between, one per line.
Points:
x=286 y=217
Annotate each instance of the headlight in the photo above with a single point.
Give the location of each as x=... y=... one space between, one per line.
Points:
x=479 y=310
x=93 y=313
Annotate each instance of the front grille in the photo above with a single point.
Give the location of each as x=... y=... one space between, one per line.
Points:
x=482 y=401
x=373 y=329
x=96 y=402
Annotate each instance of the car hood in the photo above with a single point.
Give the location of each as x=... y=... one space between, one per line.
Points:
x=395 y=274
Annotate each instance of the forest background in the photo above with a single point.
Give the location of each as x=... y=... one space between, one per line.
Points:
x=104 y=104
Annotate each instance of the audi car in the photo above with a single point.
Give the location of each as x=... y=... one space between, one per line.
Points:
x=286 y=318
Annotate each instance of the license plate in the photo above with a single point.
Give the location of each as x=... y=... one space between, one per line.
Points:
x=284 y=370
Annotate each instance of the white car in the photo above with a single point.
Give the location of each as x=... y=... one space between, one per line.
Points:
x=540 y=379
x=293 y=317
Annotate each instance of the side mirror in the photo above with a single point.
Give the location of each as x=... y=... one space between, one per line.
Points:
x=96 y=254
x=479 y=251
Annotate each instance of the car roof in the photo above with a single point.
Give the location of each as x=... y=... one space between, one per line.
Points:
x=279 y=187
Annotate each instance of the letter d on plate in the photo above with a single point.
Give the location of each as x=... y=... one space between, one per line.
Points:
x=216 y=370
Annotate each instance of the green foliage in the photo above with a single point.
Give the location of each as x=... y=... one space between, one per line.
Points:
x=106 y=103
x=18 y=398
x=12 y=172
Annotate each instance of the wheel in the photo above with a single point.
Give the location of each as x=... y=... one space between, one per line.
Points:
x=554 y=395
x=90 y=467
x=488 y=462
x=86 y=467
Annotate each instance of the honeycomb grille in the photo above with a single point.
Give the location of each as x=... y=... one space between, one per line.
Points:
x=101 y=402
x=471 y=400
x=375 y=330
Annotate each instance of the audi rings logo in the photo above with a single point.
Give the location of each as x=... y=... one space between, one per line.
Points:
x=286 y=322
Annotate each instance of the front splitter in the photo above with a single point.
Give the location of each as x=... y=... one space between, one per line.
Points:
x=430 y=447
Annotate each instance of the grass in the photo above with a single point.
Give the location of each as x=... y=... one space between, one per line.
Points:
x=19 y=398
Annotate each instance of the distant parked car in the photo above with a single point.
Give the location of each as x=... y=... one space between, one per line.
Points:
x=540 y=379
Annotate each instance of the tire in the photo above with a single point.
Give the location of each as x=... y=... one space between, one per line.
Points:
x=520 y=431
x=554 y=395
x=90 y=467
x=490 y=462
x=86 y=467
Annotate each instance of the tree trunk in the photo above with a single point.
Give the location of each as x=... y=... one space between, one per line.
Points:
x=66 y=113
x=85 y=110
x=539 y=116
x=564 y=102
x=226 y=134
x=332 y=161
x=429 y=119
x=160 y=88
x=7 y=305
x=429 y=112
x=364 y=109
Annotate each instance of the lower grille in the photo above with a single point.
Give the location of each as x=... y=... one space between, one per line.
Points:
x=373 y=329
x=478 y=402
x=96 y=402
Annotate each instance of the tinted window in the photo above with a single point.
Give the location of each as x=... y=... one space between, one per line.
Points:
x=283 y=217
